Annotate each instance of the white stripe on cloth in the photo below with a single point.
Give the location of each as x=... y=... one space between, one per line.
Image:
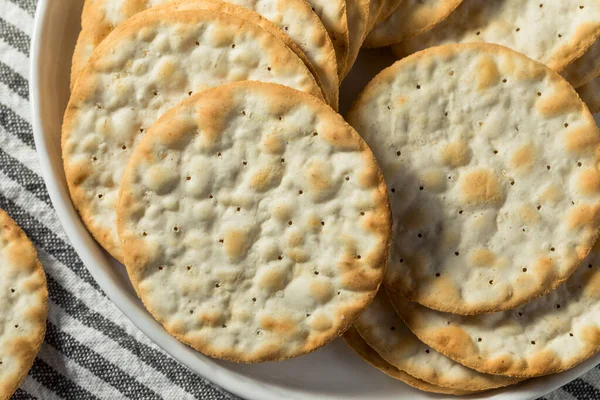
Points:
x=76 y=373
x=23 y=153
x=38 y=390
x=17 y=17
x=16 y=103
x=16 y=60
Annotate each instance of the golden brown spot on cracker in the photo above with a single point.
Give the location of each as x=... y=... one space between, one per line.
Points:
x=487 y=73
x=523 y=158
x=544 y=360
x=317 y=179
x=456 y=154
x=480 y=187
x=321 y=290
x=582 y=215
x=582 y=140
x=320 y=322
x=551 y=194
x=236 y=243
x=273 y=143
x=266 y=178
x=298 y=256
x=590 y=335
x=588 y=181
x=272 y=279
x=482 y=258
x=401 y=100
x=455 y=340
x=282 y=326
x=561 y=102
x=211 y=317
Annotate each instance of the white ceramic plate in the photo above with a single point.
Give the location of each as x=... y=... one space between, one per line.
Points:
x=333 y=372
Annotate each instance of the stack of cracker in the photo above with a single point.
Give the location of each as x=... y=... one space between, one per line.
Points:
x=203 y=150
x=492 y=164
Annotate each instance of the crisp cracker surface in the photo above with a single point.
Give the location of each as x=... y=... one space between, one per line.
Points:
x=299 y=27
x=494 y=188
x=555 y=33
x=411 y=18
x=548 y=335
x=23 y=305
x=255 y=222
x=384 y=331
x=333 y=15
x=146 y=66
x=366 y=352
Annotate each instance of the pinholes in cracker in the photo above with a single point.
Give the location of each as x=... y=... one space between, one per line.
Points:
x=554 y=33
x=550 y=334
x=255 y=222
x=366 y=352
x=146 y=66
x=300 y=28
x=384 y=331
x=23 y=305
x=495 y=188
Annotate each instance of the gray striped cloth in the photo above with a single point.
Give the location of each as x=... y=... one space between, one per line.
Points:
x=91 y=351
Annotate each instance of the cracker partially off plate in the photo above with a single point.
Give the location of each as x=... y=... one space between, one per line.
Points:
x=23 y=305
x=254 y=222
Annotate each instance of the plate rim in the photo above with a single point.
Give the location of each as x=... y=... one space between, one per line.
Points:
x=227 y=379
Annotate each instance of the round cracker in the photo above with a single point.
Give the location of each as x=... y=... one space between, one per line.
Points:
x=23 y=305
x=146 y=66
x=333 y=15
x=358 y=18
x=548 y=335
x=411 y=18
x=384 y=331
x=366 y=352
x=299 y=27
x=255 y=222
x=590 y=94
x=492 y=163
x=555 y=34
x=585 y=68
